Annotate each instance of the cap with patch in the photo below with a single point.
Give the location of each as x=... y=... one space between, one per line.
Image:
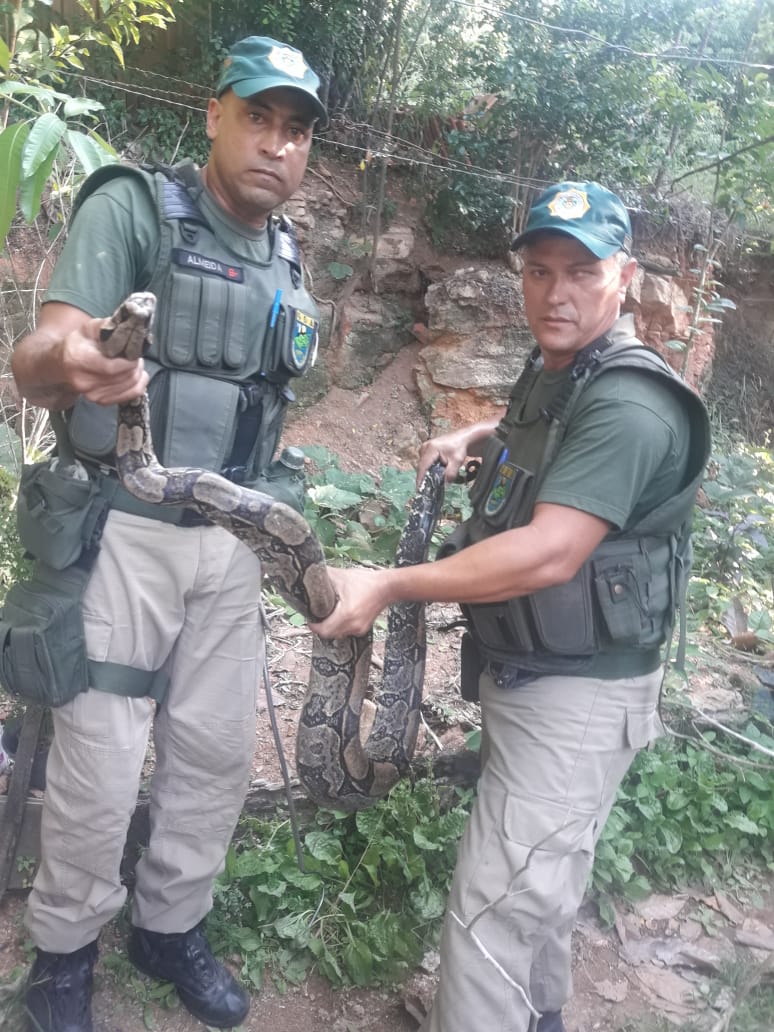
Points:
x=258 y=63
x=587 y=211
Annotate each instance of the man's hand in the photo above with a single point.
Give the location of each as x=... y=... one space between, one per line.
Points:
x=62 y=359
x=105 y=381
x=454 y=448
x=363 y=594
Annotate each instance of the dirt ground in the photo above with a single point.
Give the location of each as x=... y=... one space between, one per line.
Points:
x=664 y=960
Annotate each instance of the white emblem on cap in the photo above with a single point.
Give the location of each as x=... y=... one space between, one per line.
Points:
x=289 y=61
x=569 y=204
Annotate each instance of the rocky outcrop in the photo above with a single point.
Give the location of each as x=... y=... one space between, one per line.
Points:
x=477 y=341
x=469 y=320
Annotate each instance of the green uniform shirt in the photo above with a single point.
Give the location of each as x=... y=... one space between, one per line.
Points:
x=112 y=247
x=626 y=449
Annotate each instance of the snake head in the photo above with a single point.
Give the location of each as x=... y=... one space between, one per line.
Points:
x=127 y=333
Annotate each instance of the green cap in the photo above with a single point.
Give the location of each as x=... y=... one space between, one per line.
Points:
x=587 y=211
x=258 y=63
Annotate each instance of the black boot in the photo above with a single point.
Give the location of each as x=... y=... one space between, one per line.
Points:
x=58 y=994
x=209 y=992
x=551 y=1021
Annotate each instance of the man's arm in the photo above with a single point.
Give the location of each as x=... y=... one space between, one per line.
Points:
x=548 y=551
x=61 y=359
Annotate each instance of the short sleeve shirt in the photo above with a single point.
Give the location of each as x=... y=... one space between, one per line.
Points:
x=626 y=448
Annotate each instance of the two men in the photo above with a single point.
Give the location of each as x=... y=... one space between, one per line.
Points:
x=569 y=571
x=171 y=610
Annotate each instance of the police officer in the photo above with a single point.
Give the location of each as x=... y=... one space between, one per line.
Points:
x=569 y=571
x=171 y=610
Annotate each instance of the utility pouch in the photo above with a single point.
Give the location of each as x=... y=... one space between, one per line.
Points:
x=42 y=639
x=292 y=342
x=471 y=667
x=563 y=617
x=57 y=511
x=618 y=597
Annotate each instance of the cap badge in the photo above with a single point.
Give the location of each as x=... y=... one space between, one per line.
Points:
x=289 y=61
x=569 y=204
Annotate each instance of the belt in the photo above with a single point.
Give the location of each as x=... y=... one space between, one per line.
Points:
x=607 y=666
x=177 y=515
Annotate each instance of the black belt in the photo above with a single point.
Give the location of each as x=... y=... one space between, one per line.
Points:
x=606 y=666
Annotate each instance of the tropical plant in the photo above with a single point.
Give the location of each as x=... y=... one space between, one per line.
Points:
x=43 y=123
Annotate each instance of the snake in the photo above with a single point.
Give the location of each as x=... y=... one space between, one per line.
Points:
x=338 y=764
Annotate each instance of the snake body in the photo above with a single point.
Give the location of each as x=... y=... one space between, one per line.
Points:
x=336 y=767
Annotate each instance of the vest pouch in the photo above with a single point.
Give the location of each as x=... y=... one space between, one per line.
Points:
x=504 y=501
x=563 y=616
x=42 y=640
x=57 y=511
x=472 y=664
x=205 y=319
x=294 y=344
x=502 y=627
x=180 y=436
x=618 y=597
x=92 y=429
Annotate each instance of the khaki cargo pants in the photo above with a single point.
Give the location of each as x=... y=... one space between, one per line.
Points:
x=186 y=600
x=556 y=749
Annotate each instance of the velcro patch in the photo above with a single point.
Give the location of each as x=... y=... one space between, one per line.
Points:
x=211 y=266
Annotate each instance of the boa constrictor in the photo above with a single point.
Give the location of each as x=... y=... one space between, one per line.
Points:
x=335 y=766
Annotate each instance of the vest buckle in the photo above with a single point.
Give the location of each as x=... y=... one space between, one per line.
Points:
x=250 y=395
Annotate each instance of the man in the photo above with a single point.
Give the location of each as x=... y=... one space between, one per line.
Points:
x=569 y=571
x=172 y=606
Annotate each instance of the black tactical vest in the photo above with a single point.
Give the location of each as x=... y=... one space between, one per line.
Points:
x=621 y=603
x=227 y=339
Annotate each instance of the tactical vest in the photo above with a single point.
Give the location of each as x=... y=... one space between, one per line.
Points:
x=228 y=337
x=619 y=608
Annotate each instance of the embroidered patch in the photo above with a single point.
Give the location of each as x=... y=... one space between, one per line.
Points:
x=289 y=61
x=304 y=340
x=200 y=262
x=501 y=488
x=569 y=204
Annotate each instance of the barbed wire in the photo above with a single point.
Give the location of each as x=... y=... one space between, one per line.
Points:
x=390 y=142
x=661 y=56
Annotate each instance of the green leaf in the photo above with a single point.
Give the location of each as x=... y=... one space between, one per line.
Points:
x=12 y=142
x=329 y=497
x=358 y=961
x=340 y=270
x=5 y=56
x=47 y=97
x=90 y=154
x=743 y=823
x=323 y=846
x=675 y=345
x=31 y=188
x=671 y=838
x=75 y=106
x=44 y=138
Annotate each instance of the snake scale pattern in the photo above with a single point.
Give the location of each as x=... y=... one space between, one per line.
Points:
x=336 y=767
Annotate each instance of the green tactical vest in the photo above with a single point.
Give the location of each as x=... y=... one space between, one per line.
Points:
x=228 y=337
x=619 y=608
